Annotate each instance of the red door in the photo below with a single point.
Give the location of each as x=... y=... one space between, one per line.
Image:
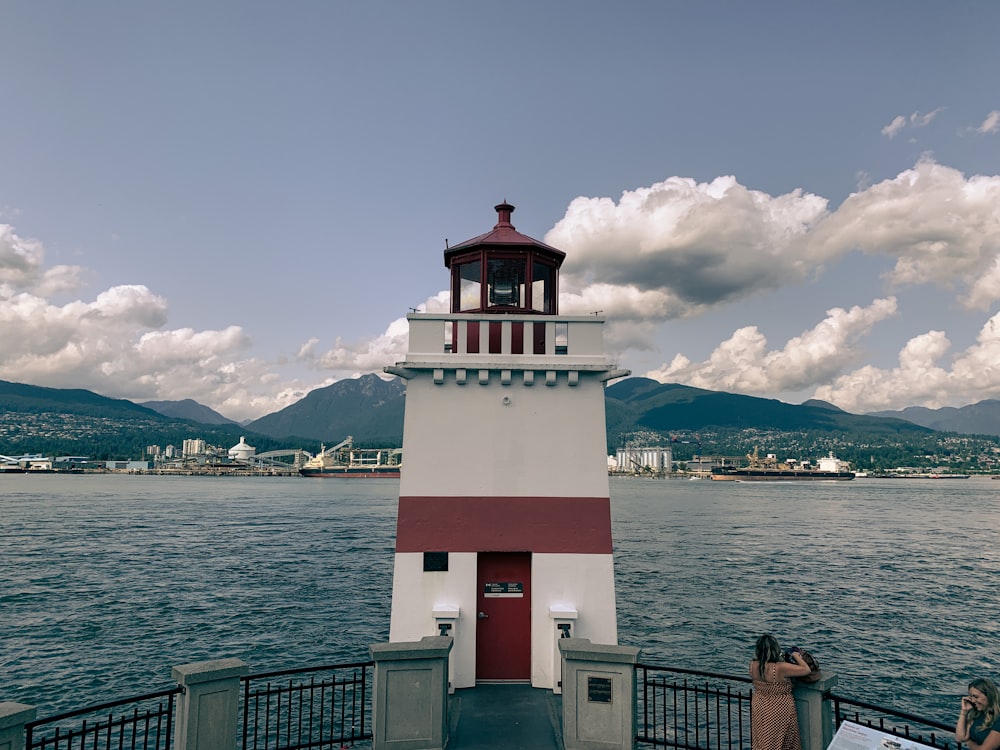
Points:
x=503 y=630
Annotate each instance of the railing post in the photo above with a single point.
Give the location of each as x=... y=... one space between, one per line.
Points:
x=815 y=714
x=13 y=717
x=208 y=709
x=413 y=677
x=599 y=700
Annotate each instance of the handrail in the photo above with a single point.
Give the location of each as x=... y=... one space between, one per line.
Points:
x=695 y=672
x=307 y=670
x=108 y=731
x=175 y=690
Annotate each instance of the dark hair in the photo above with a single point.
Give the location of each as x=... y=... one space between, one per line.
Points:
x=992 y=711
x=766 y=650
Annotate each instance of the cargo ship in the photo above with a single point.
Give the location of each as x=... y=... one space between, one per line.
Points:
x=345 y=461
x=768 y=469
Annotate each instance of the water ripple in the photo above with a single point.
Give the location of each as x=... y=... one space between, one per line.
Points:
x=108 y=582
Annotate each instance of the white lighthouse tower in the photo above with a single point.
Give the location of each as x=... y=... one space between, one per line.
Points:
x=503 y=535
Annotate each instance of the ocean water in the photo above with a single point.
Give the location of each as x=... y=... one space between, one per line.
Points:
x=106 y=582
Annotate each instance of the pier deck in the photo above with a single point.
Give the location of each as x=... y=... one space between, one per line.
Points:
x=512 y=717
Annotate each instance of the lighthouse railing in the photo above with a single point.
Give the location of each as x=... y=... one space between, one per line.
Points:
x=436 y=334
x=326 y=706
x=696 y=710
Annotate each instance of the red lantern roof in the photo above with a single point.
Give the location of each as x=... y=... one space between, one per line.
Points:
x=504 y=236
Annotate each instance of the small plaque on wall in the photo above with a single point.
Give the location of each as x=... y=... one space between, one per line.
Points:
x=599 y=689
x=503 y=590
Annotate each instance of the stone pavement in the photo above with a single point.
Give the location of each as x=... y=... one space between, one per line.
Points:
x=508 y=716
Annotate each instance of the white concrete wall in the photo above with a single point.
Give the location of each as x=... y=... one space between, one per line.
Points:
x=504 y=440
x=580 y=582
x=415 y=595
x=585 y=583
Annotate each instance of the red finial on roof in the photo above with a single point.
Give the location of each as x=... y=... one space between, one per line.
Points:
x=504 y=210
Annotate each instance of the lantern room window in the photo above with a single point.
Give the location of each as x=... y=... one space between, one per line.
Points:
x=543 y=279
x=469 y=286
x=505 y=280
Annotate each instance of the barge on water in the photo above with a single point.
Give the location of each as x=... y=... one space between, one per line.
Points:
x=768 y=469
x=345 y=461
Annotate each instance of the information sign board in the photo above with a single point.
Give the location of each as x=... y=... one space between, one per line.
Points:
x=851 y=736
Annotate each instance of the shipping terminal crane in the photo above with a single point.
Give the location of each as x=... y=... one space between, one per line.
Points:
x=345 y=443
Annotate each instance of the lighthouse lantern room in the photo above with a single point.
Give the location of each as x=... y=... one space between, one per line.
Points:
x=503 y=536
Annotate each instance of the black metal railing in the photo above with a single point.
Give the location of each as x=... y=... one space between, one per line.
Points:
x=688 y=709
x=898 y=723
x=317 y=707
x=149 y=725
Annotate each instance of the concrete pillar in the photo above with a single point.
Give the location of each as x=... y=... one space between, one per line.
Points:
x=410 y=699
x=208 y=709
x=598 y=695
x=13 y=717
x=815 y=714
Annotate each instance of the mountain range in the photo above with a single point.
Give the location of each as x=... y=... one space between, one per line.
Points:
x=370 y=409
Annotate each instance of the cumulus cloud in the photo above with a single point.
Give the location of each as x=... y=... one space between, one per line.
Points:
x=22 y=267
x=673 y=250
x=679 y=248
x=915 y=120
x=118 y=344
x=973 y=375
x=743 y=363
x=694 y=244
x=349 y=359
x=941 y=228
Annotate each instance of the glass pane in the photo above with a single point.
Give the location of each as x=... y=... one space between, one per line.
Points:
x=542 y=288
x=468 y=293
x=505 y=281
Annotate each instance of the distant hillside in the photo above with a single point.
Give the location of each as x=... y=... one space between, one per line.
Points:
x=18 y=397
x=368 y=408
x=982 y=418
x=187 y=409
x=644 y=404
x=640 y=410
x=67 y=421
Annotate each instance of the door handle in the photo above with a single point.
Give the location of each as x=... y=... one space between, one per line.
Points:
x=483 y=616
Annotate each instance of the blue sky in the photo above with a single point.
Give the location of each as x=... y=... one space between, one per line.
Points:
x=238 y=202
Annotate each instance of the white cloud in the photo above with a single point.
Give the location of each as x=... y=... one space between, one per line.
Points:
x=941 y=227
x=991 y=124
x=915 y=120
x=743 y=363
x=695 y=245
x=679 y=248
x=673 y=250
x=892 y=129
x=350 y=359
x=118 y=344
x=920 y=378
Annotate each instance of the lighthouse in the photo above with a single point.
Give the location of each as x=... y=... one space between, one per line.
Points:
x=503 y=536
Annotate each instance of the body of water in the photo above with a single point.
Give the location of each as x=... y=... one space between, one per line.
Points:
x=106 y=582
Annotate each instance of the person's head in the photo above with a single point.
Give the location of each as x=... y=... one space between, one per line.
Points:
x=986 y=698
x=767 y=650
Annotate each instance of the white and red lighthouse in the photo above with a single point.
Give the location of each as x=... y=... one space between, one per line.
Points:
x=504 y=528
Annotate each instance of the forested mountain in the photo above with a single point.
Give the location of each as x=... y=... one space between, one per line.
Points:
x=639 y=411
x=61 y=421
x=187 y=409
x=982 y=418
x=368 y=408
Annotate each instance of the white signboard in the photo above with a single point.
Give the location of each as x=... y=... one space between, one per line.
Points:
x=853 y=736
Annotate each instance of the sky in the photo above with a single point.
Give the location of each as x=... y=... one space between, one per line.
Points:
x=239 y=202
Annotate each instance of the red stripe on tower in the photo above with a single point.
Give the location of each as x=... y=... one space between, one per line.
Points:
x=579 y=525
